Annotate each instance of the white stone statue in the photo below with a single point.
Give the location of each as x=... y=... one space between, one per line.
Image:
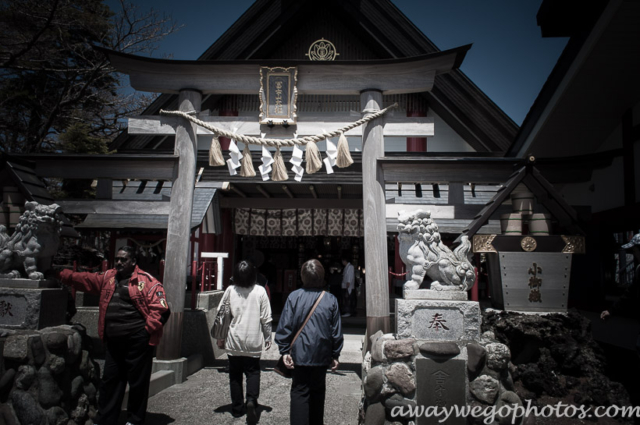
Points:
x=33 y=243
x=424 y=254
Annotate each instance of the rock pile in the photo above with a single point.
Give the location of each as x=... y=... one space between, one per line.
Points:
x=389 y=375
x=489 y=370
x=47 y=377
x=555 y=359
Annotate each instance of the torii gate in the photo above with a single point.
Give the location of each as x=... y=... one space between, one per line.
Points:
x=370 y=79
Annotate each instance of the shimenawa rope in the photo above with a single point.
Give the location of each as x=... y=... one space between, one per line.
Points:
x=278 y=142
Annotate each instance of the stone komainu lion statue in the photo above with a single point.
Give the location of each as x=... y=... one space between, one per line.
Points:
x=33 y=243
x=423 y=252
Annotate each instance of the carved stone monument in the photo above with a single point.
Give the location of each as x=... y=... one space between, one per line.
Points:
x=437 y=359
x=425 y=255
x=27 y=299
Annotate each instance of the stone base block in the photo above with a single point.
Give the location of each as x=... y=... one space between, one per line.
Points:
x=430 y=294
x=438 y=320
x=28 y=283
x=88 y=317
x=32 y=308
x=178 y=366
x=209 y=300
x=86 y=300
x=442 y=384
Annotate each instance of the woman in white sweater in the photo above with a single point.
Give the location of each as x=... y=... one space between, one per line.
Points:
x=250 y=326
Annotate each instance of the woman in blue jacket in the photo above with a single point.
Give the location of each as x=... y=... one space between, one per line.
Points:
x=317 y=348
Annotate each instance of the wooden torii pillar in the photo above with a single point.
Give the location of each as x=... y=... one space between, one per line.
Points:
x=369 y=79
x=374 y=211
x=179 y=225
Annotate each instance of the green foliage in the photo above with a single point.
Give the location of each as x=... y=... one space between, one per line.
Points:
x=77 y=139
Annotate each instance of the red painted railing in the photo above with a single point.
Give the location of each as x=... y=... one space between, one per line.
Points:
x=206 y=272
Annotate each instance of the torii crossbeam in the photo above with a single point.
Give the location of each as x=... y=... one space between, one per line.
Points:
x=370 y=79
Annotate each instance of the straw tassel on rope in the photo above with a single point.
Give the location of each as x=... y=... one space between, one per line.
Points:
x=279 y=170
x=344 y=156
x=215 y=153
x=313 y=157
x=246 y=168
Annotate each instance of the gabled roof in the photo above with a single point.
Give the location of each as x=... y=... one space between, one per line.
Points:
x=594 y=82
x=544 y=192
x=158 y=192
x=33 y=189
x=360 y=29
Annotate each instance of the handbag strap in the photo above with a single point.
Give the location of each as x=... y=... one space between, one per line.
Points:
x=307 y=319
x=226 y=297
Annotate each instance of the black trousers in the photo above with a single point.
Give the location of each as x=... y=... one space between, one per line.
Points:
x=250 y=367
x=353 y=302
x=336 y=291
x=127 y=360
x=350 y=301
x=307 y=395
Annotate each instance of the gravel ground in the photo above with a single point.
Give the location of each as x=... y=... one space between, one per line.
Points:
x=204 y=398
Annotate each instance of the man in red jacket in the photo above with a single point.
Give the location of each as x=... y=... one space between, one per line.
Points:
x=132 y=311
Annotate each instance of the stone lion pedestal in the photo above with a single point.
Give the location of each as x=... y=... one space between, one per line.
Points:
x=437 y=359
x=31 y=304
x=441 y=328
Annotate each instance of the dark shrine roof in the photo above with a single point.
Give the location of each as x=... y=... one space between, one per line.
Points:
x=159 y=191
x=281 y=30
x=34 y=189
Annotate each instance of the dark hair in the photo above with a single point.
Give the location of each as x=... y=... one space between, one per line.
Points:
x=131 y=252
x=245 y=274
x=312 y=274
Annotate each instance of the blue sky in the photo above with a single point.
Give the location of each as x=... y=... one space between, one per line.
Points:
x=509 y=60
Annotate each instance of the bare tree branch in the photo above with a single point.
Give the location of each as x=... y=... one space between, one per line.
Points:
x=51 y=78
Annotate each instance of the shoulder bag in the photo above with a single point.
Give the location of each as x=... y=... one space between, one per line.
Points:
x=220 y=327
x=280 y=368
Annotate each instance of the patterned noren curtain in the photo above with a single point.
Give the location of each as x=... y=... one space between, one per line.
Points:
x=305 y=224
x=353 y=223
x=242 y=221
x=335 y=222
x=299 y=222
x=258 y=222
x=319 y=222
x=274 y=223
x=289 y=222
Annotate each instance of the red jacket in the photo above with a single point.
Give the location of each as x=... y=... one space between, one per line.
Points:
x=146 y=292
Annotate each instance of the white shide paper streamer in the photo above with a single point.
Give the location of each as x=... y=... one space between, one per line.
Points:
x=267 y=160
x=235 y=156
x=296 y=160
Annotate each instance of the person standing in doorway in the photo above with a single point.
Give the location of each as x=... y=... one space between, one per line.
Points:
x=348 y=288
x=132 y=312
x=335 y=282
x=317 y=348
x=250 y=326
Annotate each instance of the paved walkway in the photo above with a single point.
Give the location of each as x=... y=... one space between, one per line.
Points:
x=204 y=397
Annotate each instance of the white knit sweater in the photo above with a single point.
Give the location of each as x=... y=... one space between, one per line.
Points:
x=251 y=323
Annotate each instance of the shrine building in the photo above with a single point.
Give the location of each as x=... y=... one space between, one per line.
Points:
x=440 y=144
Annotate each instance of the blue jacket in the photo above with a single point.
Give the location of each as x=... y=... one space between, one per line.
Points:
x=321 y=339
